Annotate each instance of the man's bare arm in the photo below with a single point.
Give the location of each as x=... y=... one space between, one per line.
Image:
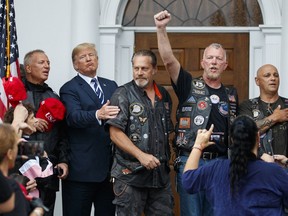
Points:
x=279 y=115
x=172 y=65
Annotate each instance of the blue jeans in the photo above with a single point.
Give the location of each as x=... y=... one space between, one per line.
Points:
x=192 y=204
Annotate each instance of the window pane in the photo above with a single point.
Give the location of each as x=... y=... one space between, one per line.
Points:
x=194 y=12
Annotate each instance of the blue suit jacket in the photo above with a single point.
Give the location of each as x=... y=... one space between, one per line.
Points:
x=90 y=151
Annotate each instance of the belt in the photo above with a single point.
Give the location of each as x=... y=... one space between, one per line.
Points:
x=204 y=155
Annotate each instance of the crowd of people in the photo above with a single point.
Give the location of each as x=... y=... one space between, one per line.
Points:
x=110 y=148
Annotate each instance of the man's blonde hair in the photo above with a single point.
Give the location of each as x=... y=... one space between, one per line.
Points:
x=80 y=47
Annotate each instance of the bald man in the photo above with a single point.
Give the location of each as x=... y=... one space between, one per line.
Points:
x=270 y=111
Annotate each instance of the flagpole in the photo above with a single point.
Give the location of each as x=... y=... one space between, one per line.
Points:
x=8 y=38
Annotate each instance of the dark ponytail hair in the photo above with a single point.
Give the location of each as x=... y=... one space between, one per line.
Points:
x=243 y=133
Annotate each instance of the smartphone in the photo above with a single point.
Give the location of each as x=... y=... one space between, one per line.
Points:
x=31 y=148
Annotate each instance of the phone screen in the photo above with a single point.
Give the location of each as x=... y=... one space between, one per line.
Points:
x=31 y=148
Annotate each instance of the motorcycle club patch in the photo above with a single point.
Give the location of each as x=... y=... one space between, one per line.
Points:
x=198 y=120
x=191 y=100
x=202 y=105
x=184 y=122
x=186 y=109
x=223 y=108
x=181 y=140
x=198 y=92
x=136 y=109
x=256 y=113
x=214 y=99
x=199 y=84
x=134 y=137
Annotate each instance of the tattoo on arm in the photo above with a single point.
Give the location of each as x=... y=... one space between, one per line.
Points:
x=264 y=124
x=267 y=122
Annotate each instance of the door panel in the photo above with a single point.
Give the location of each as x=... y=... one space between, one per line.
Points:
x=188 y=49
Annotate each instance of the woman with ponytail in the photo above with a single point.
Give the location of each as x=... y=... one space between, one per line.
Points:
x=242 y=184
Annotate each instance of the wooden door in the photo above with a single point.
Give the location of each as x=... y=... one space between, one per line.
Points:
x=188 y=49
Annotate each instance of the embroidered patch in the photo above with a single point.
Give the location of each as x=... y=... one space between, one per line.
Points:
x=191 y=100
x=181 y=140
x=184 y=123
x=134 y=137
x=214 y=99
x=202 y=105
x=256 y=113
x=223 y=108
x=186 y=109
x=136 y=109
x=199 y=92
x=142 y=120
x=198 y=120
x=199 y=84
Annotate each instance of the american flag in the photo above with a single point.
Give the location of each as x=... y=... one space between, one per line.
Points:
x=9 y=65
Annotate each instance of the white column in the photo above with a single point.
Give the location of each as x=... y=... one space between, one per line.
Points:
x=272 y=44
x=256 y=57
x=85 y=18
x=283 y=70
x=107 y=58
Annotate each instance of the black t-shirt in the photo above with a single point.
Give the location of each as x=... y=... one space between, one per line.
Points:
x=5 y=189
x=279 y=130
x=219 y=115
x=22 y=206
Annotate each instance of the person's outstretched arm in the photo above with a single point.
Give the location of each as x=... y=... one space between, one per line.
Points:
x=201 y=142
x=171 y=63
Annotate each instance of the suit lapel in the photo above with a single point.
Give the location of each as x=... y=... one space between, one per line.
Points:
x=103 y=85
x=87 y=88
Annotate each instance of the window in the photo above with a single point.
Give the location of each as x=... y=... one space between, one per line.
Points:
x=194 y=12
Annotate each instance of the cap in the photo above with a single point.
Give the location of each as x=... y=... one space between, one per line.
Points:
x=51 y=110
x=14 y=89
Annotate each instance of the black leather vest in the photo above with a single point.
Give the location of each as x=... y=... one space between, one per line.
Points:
x=267 y=137
x=194 y=113
x=138 y=125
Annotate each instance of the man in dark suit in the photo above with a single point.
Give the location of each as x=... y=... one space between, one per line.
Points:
x=86 y=98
